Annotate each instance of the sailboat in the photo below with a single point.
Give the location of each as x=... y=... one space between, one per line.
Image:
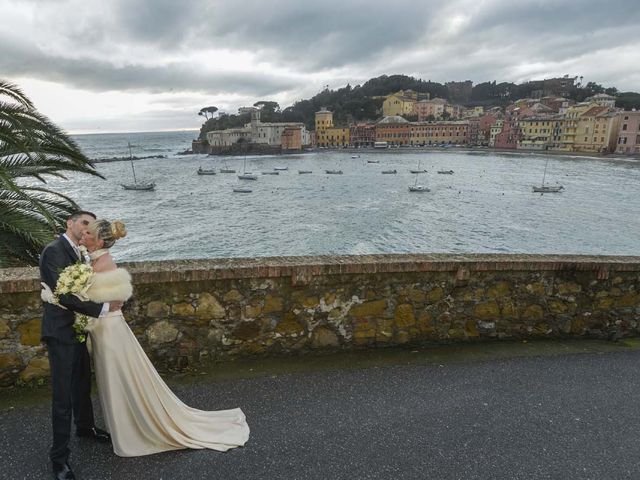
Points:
x=226 y=169
x=546 y=188
x=418 y=188
x=135 y=185
x=418 y=170
x=246 y=175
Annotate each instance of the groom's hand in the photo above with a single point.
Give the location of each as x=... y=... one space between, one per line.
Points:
x=115 y=306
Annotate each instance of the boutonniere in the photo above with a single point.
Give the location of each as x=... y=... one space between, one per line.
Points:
x=84 y=253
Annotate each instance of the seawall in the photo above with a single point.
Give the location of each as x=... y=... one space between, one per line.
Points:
x=188 y=313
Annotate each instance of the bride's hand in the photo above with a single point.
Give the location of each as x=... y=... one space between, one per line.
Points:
x=115 y=306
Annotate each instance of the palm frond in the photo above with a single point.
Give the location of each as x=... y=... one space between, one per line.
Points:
x=32 y=147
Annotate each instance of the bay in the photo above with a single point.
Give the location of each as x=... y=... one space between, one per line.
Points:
x=486 y=206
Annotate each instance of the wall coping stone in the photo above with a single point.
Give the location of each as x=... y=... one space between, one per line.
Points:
x=302 y=268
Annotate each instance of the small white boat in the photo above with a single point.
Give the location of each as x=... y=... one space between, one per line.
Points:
x=355 y=156
x=139 y=186
x=333 y=172
x=242 y=190
x=227 y=170
x=304 y=171
x=281 y=168
x=247 y=176
x=445 y=172
x=389 y=172
x=271 y=173
x=204 y=171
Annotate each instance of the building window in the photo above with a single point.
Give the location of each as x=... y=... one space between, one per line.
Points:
x=624 y=126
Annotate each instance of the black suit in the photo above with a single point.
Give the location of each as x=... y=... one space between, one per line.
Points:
x=69 y=360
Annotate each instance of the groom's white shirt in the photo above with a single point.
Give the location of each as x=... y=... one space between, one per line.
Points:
x=105 y=306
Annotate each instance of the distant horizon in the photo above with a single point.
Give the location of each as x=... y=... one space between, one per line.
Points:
x=102 y=132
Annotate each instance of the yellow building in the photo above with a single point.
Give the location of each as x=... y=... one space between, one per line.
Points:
x=324 y=121
x=537 y=133
x=337 y=137
x=400 y=103
x=326 y=134
x=596 y=130
x=569 y=126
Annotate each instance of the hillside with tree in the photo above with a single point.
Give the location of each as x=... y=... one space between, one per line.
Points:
x=364 y=102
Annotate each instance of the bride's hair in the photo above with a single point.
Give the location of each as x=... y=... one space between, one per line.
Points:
x=108 y=231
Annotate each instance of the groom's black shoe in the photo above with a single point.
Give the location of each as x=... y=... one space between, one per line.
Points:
x=95 y=433
x=63 y=472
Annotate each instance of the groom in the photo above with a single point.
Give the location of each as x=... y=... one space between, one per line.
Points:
x=69 y=360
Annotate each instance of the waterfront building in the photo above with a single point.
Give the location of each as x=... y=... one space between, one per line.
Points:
x=328 y=135
x=400 y=103
x=362 y=134
x=628 y=141
x=495 y=129
x=257 y=132
x=569 y=126
x=510 y=134
x=437 y=133
x=337 y=137
x=474 y=135
x=291 y=139
x=596 y=130
x=323 y=121
x=536 y=133
x=394 y=129
x=485 y=124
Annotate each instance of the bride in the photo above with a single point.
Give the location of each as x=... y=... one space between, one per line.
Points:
x=141 y=412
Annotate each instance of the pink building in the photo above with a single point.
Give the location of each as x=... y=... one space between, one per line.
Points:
x=485 y=122
x=362 y=135
x=429 y=109
x=629 y=133
x=510 y=134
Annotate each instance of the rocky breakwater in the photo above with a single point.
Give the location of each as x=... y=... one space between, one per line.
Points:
x=188 y=313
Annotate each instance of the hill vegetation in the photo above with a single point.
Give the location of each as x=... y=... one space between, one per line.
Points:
x=364 y=102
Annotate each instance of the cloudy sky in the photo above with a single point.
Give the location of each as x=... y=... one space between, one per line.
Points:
x=146 y=65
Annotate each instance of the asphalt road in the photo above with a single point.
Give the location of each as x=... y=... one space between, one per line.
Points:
x=554 y=417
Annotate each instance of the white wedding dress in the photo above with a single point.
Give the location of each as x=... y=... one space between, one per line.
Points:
x=141 y=412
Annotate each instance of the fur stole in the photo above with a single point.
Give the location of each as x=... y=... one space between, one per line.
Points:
x=110 y=286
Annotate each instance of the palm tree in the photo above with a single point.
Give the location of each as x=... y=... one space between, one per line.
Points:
x=32 y=147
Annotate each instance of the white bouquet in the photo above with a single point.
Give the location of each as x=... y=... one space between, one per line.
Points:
x=75 y=279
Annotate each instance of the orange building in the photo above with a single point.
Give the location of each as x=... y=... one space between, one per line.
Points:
x=436 y=133
x=394 y=130
x=291 y=139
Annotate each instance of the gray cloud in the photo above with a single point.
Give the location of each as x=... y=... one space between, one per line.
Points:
x=150 y=45
x=101 y=75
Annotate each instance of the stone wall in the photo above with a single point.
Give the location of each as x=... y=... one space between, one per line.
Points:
x=187 y=313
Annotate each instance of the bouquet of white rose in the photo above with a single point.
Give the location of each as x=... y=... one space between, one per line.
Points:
x=74 y=279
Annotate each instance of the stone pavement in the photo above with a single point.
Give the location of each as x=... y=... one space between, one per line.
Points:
x=413 y=414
